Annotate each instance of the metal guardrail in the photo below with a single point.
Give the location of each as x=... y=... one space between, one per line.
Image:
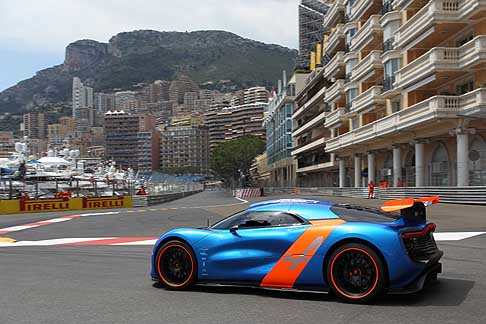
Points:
x=144 y=201
x=454 y=195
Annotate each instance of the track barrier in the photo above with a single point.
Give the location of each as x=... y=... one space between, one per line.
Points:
x=23 y=206
x=454 y=195
x=247 y=192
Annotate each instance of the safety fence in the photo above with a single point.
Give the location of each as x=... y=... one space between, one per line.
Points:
x=12 y=189
x=21 y=206
x=455 y=195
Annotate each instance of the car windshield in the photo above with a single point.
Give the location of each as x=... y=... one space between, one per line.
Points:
x=225 y=222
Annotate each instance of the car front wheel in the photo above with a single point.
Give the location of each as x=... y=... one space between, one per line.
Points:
x=176 y=265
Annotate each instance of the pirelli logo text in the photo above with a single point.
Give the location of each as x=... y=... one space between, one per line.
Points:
x=104 y=203
x=44 y=205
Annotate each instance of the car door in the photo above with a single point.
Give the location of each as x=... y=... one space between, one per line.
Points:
x=245 y=247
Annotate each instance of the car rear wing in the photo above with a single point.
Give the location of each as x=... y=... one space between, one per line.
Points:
x=411 y=208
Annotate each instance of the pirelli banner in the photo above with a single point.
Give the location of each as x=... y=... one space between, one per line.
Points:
x=23 y=206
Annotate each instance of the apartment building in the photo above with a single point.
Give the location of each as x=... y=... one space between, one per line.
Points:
x=278 y=125
x=404 y=83
x=254 y=95
x=184 y=146
x=227 y=122
x=247 y=120
x=7 y=144
x=132 y=140
x=35 y=125
x=82 y=96
x=219 y=123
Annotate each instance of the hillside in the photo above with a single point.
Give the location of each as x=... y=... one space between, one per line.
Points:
x=146 y=55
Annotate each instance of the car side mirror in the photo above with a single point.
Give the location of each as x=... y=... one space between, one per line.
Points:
x=234 y=229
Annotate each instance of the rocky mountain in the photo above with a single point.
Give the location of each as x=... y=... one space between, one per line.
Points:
x=147 y=55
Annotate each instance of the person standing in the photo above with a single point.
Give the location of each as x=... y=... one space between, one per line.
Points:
x=371 y=190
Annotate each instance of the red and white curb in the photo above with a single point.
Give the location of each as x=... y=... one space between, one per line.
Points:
x=150 y=241
x=7 y=230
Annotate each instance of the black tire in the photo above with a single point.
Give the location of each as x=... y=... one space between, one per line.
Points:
x=176 y=265
x=355 y=273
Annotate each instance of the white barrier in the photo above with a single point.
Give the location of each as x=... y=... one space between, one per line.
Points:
x=247 y=192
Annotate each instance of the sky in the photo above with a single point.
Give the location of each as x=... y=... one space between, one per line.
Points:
x=34 y=33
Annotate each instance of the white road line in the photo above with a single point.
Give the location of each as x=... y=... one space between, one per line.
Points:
x=99 y=214
x=455 y=236
x=52 y=242
x=50 y=222
x=15 y=228
x=146 y=242
x=54 y=220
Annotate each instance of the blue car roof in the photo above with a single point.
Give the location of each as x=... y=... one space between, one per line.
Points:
x=310 y=209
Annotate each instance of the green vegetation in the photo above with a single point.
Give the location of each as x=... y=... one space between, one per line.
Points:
x=232 y=160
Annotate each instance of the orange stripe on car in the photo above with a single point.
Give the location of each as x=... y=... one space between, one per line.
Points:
x=293 y=262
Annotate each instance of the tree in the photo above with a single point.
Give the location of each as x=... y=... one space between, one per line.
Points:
x=232 y=159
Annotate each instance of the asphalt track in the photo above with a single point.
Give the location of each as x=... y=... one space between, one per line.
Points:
x=110 y=284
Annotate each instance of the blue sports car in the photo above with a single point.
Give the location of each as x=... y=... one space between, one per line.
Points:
x=355 y=252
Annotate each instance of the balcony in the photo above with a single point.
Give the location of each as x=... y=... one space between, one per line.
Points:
x=318 y=167
x=442 y=59
x=334 y=118
x=315 y=99
x=368 y=35
x=367 y=66
x=314 y=122
x=437 y=17
x=314 y=143
x=334 y=14
x=333 y=67
x=334 y=92
x=361 y=10
x=335 y=40
x=425 y=112
x=368 y=100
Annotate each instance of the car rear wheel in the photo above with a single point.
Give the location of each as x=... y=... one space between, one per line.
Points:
x=355 y=273
x=176 y=265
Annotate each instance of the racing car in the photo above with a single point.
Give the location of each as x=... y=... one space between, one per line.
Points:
x=357 y=253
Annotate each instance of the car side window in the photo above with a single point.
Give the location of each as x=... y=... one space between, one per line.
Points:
x=231 y=221
x=257 y=219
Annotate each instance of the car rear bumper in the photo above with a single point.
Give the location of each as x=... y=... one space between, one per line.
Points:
x=433 y=267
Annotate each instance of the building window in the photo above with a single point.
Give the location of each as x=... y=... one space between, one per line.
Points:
x=288 y=109
x=388 y=34
x=464 y=38
x=350 y=65
x=350 y=95
x=349 y=35
x=465 y=87
x=439 y=167
x=395 y=106
x=391 y=67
